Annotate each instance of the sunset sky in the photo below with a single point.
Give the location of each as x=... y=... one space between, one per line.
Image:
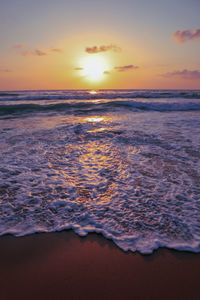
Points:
x=69 y=44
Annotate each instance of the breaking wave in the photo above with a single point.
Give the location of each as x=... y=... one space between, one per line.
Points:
x=84 y=107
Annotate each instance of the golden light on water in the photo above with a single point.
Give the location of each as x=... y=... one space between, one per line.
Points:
x=94 y=119
x=93 y=92
x=97 y=130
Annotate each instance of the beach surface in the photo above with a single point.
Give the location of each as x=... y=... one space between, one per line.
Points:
x=62 y=265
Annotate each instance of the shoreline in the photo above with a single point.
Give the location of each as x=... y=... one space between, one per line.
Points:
x=63 y=265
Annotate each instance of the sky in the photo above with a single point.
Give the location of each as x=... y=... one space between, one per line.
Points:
x=90 y=44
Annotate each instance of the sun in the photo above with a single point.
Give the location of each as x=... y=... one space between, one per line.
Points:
x=94 y=67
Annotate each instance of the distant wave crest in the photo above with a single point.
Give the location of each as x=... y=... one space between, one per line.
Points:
x=101 y=94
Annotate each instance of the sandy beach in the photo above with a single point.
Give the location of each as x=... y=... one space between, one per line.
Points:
x=65 y=266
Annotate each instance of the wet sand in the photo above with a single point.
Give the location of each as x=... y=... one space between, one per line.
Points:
x=65 y=266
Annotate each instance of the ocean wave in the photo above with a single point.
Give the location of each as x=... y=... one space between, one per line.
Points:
x=131 y=243
x=133 y=177
x=84 y=107
x=101 y=94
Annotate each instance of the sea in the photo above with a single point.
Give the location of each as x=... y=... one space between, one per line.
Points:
x=121 y=163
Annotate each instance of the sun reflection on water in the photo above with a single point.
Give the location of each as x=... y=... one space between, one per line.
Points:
x=92 y=92
x=94 y=119
x=95 y=180
x=89 y=165
x=97 y=130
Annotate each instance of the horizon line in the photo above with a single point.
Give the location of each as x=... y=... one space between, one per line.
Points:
x=119 y=89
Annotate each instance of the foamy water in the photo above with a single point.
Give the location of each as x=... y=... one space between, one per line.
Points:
x=124 y=163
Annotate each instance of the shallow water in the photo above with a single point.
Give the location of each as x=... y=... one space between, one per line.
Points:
x=125 y=163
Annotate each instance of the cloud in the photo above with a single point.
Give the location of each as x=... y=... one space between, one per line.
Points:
x=39 y=52
x=36 y=52
x=106 y=72
x=18 y=46
x=56 y=50
x=78 y=69
x=95 y=49
x=186 y=35
x=119 y=69
x=25 y=51
x=126 y=68
x=185 y=74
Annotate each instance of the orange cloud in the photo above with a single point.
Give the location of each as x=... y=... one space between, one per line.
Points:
x=126 y=68
x=106 y=72
x=185 y=74
x=39 y=52
x=36 y=52
x=18 y=46
x=186 y=35
x=56 y=50
x=95 y=49
x=78 y=69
